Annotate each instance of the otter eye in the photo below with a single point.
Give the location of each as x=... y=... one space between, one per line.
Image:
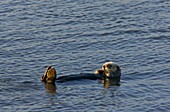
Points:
x=109 y=66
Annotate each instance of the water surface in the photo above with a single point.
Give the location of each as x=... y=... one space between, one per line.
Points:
x=78 y=37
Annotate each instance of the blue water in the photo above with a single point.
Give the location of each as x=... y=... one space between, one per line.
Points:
x=78 y=36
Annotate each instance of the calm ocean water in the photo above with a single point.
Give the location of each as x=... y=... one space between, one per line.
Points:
x=78 y=36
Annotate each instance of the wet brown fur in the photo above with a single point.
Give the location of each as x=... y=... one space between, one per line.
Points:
x=49 y=75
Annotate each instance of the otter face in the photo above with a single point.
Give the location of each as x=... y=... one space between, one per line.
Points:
x=49 y=75
x=111 y=69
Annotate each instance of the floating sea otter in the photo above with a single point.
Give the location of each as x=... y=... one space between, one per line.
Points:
x=109 y=70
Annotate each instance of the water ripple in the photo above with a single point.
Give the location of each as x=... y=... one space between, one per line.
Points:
x=79 y=36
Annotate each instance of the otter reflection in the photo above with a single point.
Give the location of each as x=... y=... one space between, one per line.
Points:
x=50 y=88
x=110 y=82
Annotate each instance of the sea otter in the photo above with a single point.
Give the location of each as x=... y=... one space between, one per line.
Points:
x=109 y=70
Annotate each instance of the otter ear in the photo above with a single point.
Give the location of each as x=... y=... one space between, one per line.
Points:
x=118 y=68
x=118 y=71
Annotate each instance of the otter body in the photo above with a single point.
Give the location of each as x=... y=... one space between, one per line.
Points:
x=79 y=77
x=109 y=70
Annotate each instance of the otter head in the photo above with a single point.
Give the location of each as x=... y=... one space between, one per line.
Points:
x=49 y=75
x=111 y=69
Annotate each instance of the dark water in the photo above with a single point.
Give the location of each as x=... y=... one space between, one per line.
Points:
x=78 y=36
